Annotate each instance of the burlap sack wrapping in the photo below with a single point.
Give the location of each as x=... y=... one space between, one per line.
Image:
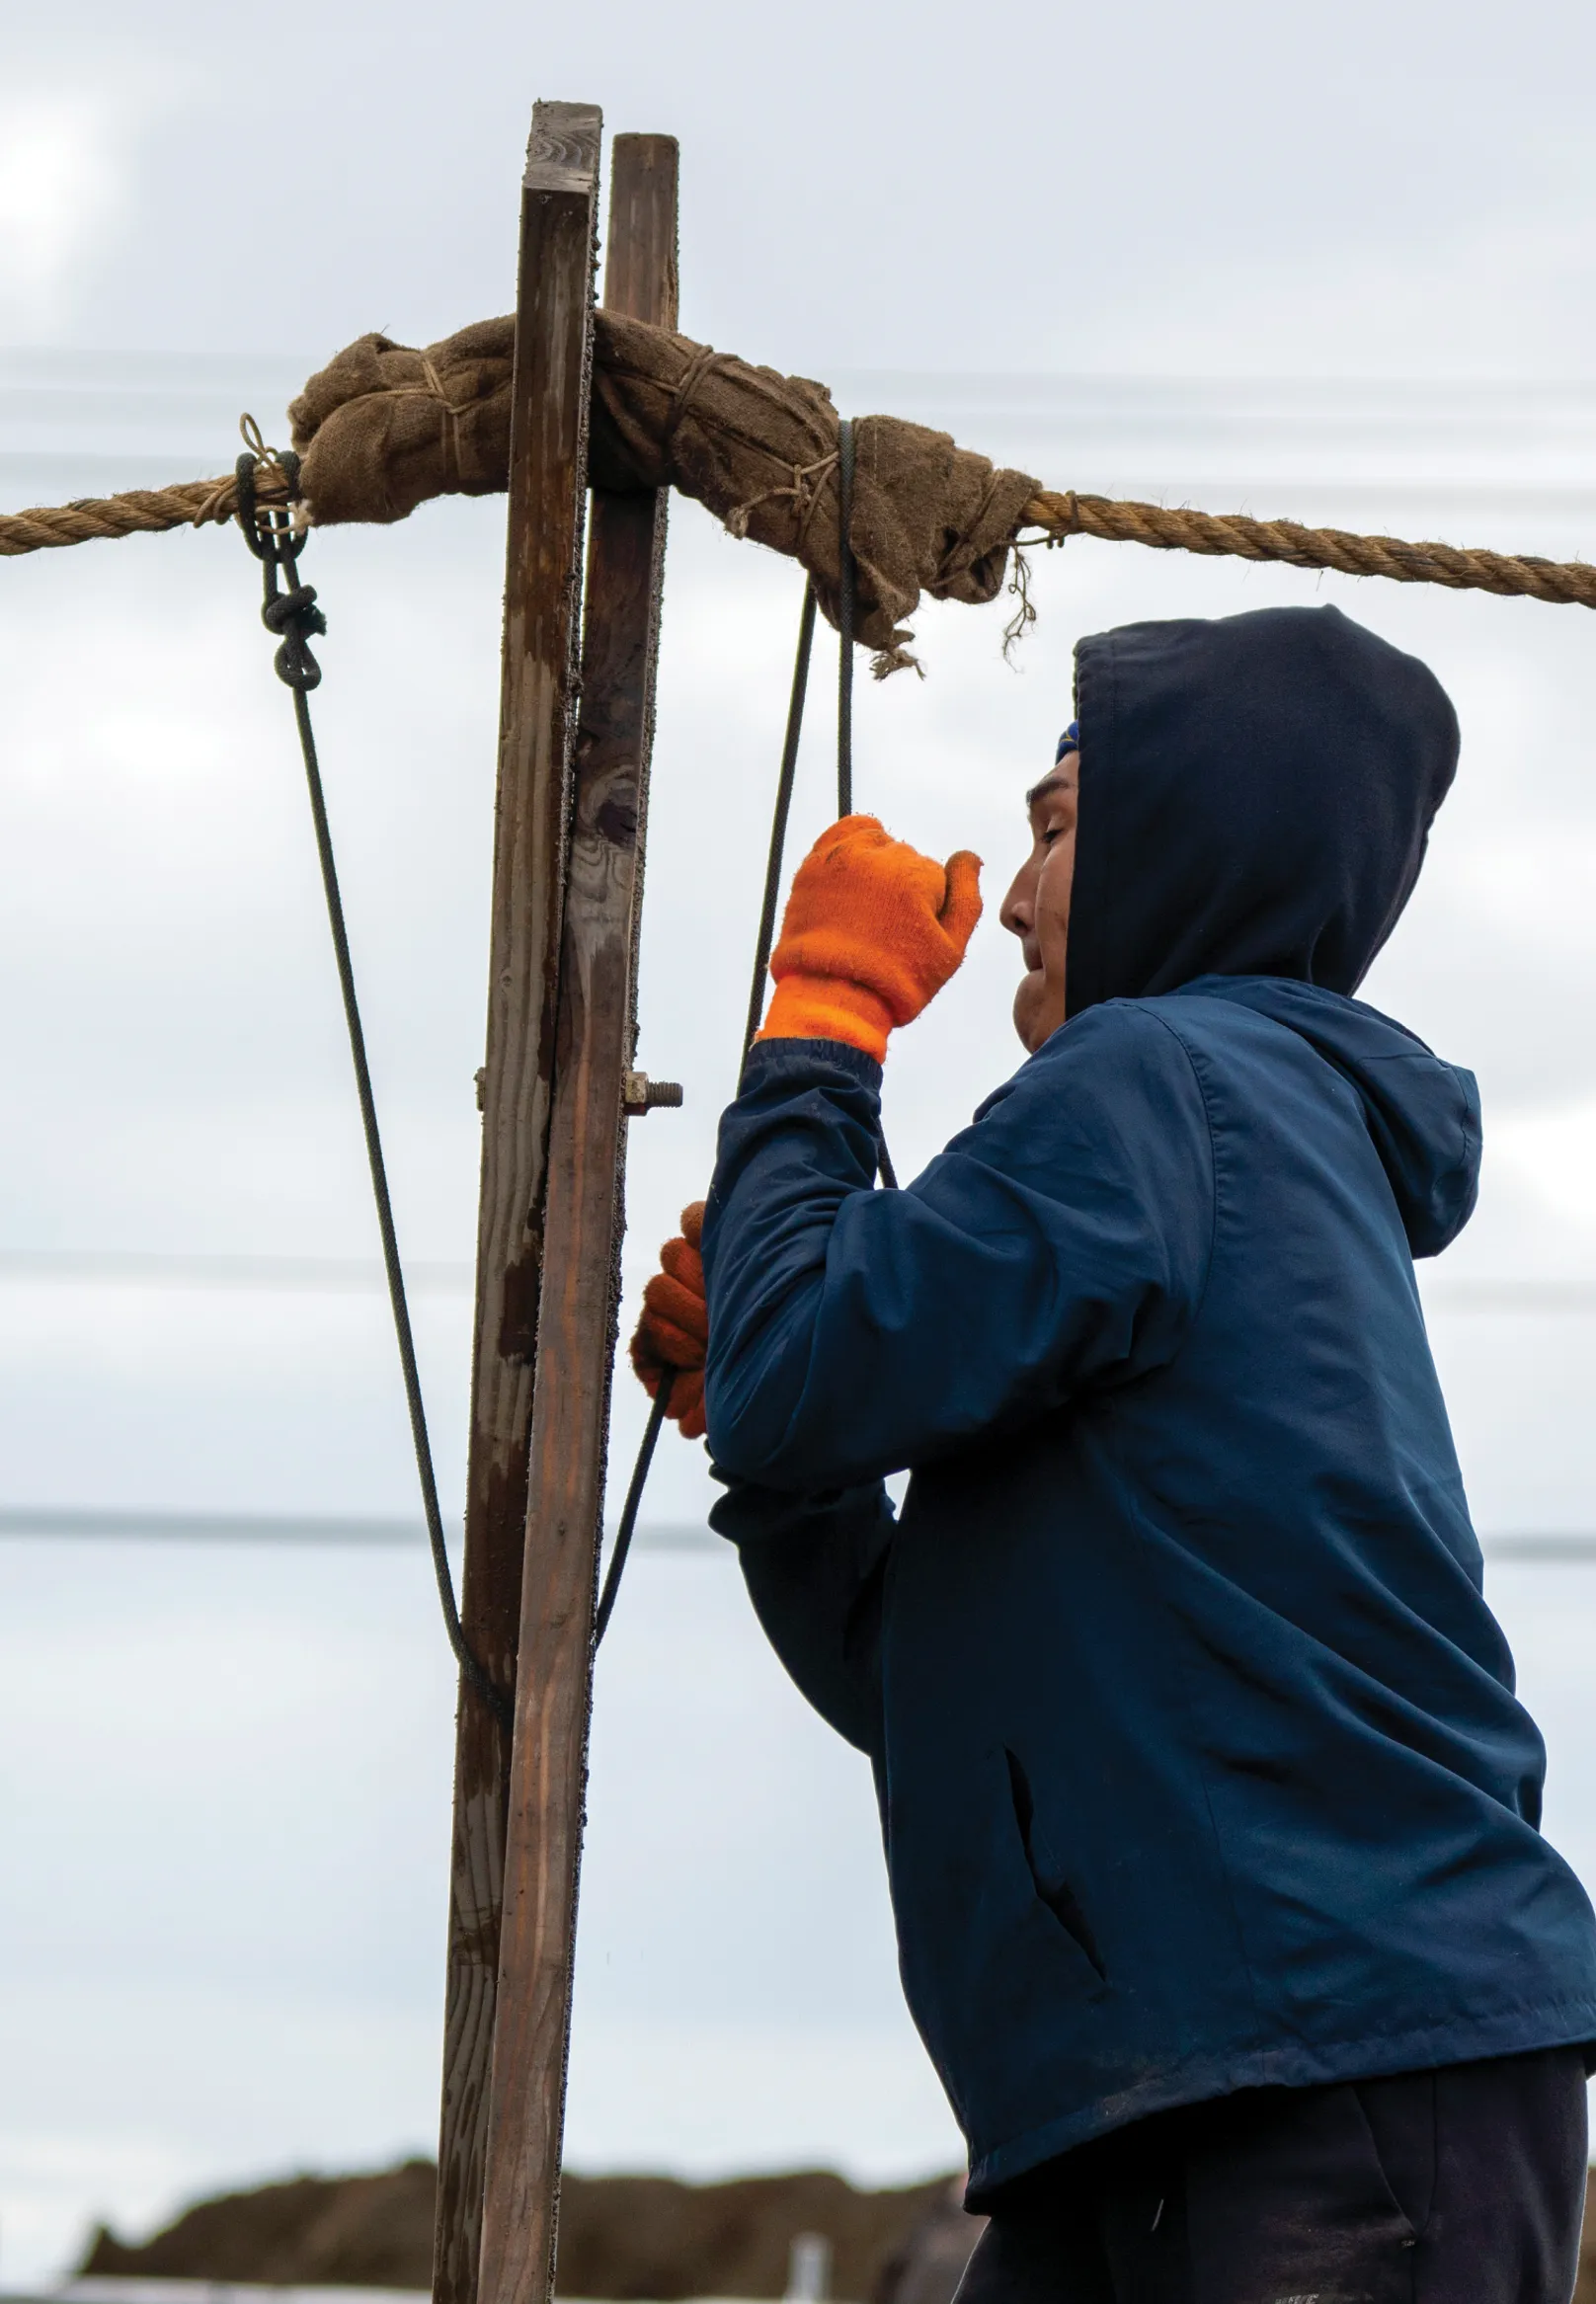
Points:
x=383 y=428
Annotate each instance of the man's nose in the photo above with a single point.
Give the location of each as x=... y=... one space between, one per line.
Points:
x=1018 y=910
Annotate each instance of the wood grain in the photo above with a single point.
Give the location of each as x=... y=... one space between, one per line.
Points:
x=543 y=562
x=594 y=1049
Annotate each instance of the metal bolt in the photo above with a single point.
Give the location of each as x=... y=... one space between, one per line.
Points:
x=640 y=1094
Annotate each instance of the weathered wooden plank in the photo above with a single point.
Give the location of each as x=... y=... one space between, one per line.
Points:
x=594 y=1049
x=544 y=563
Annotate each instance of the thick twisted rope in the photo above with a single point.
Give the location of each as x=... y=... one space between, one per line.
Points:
x=1180 y=529
x=1164 y=528
x=138 y=511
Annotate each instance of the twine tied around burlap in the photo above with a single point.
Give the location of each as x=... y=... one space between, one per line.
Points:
x=384 y=426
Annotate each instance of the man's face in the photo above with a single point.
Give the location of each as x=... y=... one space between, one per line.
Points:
x=1037 y=906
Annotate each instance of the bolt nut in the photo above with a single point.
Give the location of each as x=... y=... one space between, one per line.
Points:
x=640 y=1094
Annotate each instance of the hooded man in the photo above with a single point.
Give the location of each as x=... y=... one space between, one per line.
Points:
x=1211 y=1816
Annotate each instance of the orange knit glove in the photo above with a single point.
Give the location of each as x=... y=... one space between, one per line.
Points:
x=872 y=932
x=673 y=1331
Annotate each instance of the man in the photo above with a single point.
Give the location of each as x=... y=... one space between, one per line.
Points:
x=1209 y=1813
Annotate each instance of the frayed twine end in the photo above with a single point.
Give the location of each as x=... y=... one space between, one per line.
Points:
x=1019 y=589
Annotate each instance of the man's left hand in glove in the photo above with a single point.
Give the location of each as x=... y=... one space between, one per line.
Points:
x=673 y=1331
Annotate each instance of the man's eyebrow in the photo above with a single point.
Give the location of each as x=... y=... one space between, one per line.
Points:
x=1054 y=779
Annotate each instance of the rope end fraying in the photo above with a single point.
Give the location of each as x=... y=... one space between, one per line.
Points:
x=887 y=660
x=1025 y=616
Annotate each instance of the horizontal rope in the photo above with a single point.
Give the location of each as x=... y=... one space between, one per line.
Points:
x=1057 y=515
x=149 y=512
x=1180 y=529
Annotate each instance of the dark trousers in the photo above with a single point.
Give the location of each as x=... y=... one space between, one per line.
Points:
x=1462 y=2186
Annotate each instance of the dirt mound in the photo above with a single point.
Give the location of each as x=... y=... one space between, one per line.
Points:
x=624 y=2237
x=353 y=2231
x=645 y=2235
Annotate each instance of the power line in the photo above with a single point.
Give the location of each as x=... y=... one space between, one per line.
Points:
x=90 y=1520
x=141 y=1525
x=1511 y=1296
x=1556 y=1549
x=323 y=1275
x=364 y=1276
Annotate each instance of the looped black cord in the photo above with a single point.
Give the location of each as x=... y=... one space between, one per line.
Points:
x=627 y=1525
x=778 y=824
x=845 y=593
x=634 y=1498
x=289 y=610
x=844 y=619
x=293 y=615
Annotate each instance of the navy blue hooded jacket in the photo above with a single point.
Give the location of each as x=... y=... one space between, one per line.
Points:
x=1196 y=1745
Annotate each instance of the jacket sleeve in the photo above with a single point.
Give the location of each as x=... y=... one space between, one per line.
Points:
x=814 y=1568
x=1060 y=1243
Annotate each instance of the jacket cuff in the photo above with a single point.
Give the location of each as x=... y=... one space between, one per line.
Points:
x=829 y=1007
x=809 y=1064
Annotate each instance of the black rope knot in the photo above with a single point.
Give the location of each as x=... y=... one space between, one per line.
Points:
x=293 y=611
x=270 y=532
x=294 y=617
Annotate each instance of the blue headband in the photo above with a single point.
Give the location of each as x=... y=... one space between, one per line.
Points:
x=1069 y=741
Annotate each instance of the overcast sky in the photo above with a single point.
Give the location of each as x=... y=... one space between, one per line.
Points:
x=1399 y=188
x=1336 y=265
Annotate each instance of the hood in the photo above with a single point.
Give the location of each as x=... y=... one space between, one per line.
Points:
x=1424 y=1115
x=1256 y=796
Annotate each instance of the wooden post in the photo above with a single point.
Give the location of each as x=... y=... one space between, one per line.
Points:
x=547 y=497
x=594 y=1048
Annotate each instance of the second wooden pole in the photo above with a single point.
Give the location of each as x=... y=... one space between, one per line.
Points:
x=579 y=1299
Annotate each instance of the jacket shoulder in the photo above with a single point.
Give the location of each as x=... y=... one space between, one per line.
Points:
x=1118 y=1052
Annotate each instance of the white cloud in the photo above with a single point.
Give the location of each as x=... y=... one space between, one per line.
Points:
x=1480 y=298
x=1551 y=1151
x=59 y=186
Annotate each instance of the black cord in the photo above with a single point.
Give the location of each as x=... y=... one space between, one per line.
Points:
x=634 y=1498
x=762 y=959
x=845 y=620
x=783 y=807
x=294 y=615
x=844 y=684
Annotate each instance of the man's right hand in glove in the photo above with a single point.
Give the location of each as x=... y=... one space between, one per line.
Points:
x=673 y=1331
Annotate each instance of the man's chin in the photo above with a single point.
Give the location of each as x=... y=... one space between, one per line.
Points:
x=1028 y=1003
x=1038 y=1009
